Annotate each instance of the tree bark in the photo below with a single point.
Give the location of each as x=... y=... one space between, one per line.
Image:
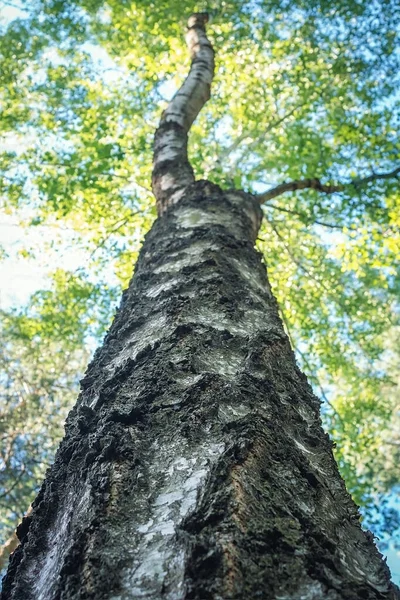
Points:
x=194 y=464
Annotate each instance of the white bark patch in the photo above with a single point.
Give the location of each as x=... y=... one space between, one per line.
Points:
x=93 y=401
x=228 y=413
x=167 y=182
x=168 y=146
x=152 y=331
x=194 y=93
x=302 y=447
x=174 y=266
x=176 y=481
x=188 y=379
x=306 y=414
x=191 y=256
x=222 y=362
x=252 y=280
x=237 y=200
x=176 y=196
x=361 y=569
x=305 y=508
x=251 y=323
x=190 y=218
x=47 y=572
x=156 y=290
x=167 y=153
x=313 y=457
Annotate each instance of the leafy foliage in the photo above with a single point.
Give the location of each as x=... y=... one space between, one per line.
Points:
x=303 y=89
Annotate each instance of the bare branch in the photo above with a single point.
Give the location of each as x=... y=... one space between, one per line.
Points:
x=315 y=184
x=250 y=133
x=14 y=484
x=172 y=172
x=300 y=184
x=115 y=229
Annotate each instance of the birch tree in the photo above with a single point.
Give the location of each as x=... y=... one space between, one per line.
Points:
x=194 y=463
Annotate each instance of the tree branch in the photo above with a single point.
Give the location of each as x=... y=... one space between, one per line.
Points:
x=315 y=184
x=304 y=216
x=14 y=484
x=260 y=135
x=172 y=172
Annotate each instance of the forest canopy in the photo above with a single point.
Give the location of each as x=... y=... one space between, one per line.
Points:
x=303 y=91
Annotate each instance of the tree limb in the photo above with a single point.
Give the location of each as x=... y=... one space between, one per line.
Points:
x=172 y=172
x=315 y=184
x=249 y=133
x=305 y=216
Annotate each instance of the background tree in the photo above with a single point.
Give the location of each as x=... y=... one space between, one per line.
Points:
x=327 y=81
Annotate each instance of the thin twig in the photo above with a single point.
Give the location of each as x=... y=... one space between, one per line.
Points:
x=304 y=216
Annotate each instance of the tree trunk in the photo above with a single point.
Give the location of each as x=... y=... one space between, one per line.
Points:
x=194 y=464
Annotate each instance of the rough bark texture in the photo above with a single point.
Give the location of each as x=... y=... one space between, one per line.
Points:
x=194 y=464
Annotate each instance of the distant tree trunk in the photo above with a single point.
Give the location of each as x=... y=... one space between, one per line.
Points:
x=194 y=465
